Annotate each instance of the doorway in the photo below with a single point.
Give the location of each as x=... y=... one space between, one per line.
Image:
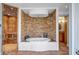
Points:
x=63 y=33
x=9 y=22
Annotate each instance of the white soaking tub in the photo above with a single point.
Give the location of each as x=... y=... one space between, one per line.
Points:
x=38 y=44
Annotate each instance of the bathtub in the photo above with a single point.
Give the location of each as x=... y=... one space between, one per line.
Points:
x=38 y=44
x=37 y=40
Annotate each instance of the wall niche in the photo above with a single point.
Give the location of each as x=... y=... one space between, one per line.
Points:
x=35 y=27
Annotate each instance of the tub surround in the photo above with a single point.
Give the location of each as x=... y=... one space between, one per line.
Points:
x=38 y=26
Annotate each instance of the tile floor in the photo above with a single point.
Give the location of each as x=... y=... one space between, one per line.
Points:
x=62 y=51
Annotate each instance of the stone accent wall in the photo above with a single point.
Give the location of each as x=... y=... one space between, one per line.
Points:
x=9 y=10
x=53 y=26
x=37 y=26
x=23 y=25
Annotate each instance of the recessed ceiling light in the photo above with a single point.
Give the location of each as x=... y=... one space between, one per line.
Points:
x=11 y=8
x=8 y=14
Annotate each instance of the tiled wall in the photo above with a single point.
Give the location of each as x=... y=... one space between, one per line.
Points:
x=9 y=10
x=23 y=25
x=37 y=26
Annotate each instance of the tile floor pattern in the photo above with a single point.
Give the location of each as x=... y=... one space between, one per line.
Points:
x=63 y=51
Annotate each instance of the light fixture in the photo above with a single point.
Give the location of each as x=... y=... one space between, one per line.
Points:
x=38 y=13
x=62 y=20
x=8 y=14
x=11 y=8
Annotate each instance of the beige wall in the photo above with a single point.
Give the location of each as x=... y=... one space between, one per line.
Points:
x=36 y=26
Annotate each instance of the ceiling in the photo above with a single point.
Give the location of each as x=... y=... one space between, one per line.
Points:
x=63 y=8
x=38 y=12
